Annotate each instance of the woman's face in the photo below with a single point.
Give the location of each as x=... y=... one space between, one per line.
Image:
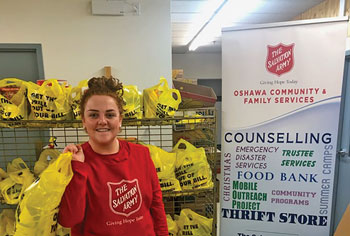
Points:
x=102 y=119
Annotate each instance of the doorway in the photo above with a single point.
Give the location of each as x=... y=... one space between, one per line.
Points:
x=25 y=62
x=22 y=61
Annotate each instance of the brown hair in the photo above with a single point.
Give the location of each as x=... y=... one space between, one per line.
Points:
x=103 y=86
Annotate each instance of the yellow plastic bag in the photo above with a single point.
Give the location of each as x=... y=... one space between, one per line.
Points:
x=7 y=222
x=23 y=177
x=133 y=102
x=192 y=168
x=13 y=99
x=16 y=164
x=37 y=212
x=159 y=101
x=19 y=179
x=48 y=101
x=75 y=97
x=164 y=163
x=191 y=223
x=10 y=191
x=13 y=187
x=172 y=226
x=67 y=90
x=46 y=157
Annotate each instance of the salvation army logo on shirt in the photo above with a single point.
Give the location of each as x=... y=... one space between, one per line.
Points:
x=280 y=58
x=124 y=197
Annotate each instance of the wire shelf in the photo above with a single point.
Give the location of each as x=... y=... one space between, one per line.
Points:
x=27 y=139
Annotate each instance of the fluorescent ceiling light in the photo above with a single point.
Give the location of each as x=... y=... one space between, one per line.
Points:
x=205 y=13
x=226 y=15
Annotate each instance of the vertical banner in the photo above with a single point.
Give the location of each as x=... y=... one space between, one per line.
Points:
x=281 y=101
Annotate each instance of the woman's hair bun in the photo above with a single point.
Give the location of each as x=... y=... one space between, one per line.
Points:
x=105 y=84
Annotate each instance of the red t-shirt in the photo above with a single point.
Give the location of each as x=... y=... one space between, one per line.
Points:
x=116 y=194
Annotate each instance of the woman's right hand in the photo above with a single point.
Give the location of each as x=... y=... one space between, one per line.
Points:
x=76 y=150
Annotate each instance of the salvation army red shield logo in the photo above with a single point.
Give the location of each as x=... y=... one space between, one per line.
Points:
x=124 y=197
x=280 y=58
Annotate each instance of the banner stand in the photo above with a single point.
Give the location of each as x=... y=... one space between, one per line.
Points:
x=282 y=86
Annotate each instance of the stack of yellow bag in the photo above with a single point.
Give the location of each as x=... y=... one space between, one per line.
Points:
x=185 y=168
x=160 y=101
x=75 y=97
x=191 y=223
x=133 y=102
x=192 y=168
x=164 y=163
x=13 y=100
x=49 y=101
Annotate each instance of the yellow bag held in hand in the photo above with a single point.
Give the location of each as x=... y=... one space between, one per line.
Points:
x=37 y=212
x=75 y=97
x=164 y=163
x=13 y=99
x=48 y=101
x=191 y=223
x=172 y=226
x=192 y=168
x=159 y=101
x=133 y=102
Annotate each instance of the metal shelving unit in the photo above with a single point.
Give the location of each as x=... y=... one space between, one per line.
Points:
x=26 y=139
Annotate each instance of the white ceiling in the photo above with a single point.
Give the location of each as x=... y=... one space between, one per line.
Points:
x=185 y=12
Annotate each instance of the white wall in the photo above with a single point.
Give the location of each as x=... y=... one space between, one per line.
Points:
x=77 y=45
x=198 y=65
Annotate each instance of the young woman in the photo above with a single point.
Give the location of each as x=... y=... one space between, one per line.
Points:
x=115 y=189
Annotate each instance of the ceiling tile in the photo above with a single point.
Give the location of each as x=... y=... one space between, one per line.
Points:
x=184 y=13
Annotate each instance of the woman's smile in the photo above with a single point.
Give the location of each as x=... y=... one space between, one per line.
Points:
x=102 y=130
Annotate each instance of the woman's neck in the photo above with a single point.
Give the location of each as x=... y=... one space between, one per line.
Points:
x=105 y=149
